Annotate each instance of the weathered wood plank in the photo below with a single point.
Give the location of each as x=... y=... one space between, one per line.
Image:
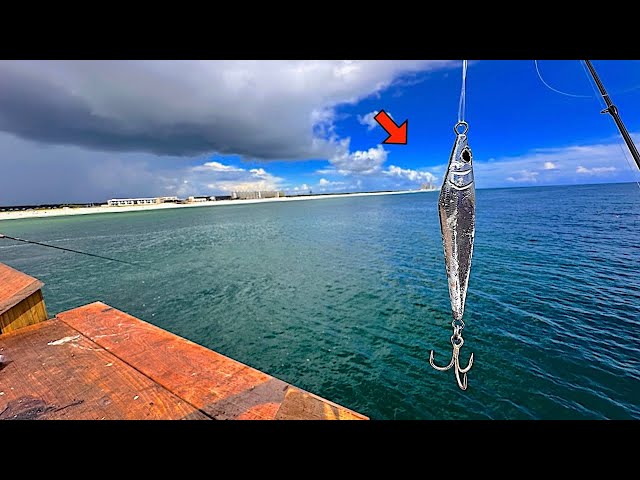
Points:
x=15 y=286
x=220 y=386
x=29 y=311
x=300 y=404
x=51 y=371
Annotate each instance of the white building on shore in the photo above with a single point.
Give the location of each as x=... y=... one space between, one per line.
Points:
x=200 y=198
x=256 y=194
x=121 y=202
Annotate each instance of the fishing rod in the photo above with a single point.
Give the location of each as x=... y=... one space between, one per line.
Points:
x=68 y=250
x=613 y=111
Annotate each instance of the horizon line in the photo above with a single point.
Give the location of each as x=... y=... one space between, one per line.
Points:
x=339 y=193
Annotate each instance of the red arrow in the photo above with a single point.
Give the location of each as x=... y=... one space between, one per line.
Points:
x=397 y=134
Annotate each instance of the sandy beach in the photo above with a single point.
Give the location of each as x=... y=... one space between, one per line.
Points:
x=14 y=215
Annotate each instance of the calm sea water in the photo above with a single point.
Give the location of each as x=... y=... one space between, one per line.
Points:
x=345 y=297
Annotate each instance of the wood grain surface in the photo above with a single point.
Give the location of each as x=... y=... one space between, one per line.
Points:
x=53 y=372
x=221 y=387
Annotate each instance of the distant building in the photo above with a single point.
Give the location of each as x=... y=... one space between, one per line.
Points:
x=257 y=194
x=200 y=198
x=121 y=202
x=427 y=186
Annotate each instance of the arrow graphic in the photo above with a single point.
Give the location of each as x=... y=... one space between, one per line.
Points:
x=397 y=134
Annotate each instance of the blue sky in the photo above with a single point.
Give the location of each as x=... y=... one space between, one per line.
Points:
x=88 y=131
x=513 y=118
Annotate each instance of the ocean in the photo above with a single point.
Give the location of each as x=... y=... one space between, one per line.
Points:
x=345 y=297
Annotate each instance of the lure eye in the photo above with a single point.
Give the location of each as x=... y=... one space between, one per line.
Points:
x=466 y=155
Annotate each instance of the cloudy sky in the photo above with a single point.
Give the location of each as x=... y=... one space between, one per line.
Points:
x=76 y=131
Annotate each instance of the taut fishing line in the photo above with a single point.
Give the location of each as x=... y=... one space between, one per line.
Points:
x=463 y=93
x=73 y=251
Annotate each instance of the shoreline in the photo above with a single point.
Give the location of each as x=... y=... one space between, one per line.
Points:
x=65 y=211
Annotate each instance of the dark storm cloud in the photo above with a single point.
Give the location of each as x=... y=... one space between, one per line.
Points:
x=257 y=109
x=36 y=109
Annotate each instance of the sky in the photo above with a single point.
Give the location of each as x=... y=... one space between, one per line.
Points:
x=87 y=131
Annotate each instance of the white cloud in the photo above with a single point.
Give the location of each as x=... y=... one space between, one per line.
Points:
x=369 y=119
x=216 y=167
x=326 y=171
x=360 y=162
x=216 y=177
x=365 y=170
x=572 y=165
x=332 y=185
x=259 y=172
x=595 y=170
x=524 y=176
x=411 y=175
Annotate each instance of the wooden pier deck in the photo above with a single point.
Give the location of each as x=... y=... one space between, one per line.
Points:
x=96 y=362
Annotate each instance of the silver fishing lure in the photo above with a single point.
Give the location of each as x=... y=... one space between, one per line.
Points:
x=457 y=209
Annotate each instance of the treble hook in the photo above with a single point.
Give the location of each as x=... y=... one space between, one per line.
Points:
x=457 y=342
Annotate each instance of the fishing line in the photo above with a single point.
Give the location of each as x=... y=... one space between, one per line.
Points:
x=603 y=104
x=69 y=250
x=598 y=99
x=620 y=92
x=626 y=90
x=555 y=90
x=463 y=93
x=593 y=85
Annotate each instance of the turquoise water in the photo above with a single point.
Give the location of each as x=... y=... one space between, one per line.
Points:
x=345 y=297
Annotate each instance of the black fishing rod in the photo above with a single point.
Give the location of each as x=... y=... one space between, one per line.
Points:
x=613 y=111
x=68 y=250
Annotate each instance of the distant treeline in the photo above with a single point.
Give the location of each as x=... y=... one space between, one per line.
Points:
x=11 y=208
